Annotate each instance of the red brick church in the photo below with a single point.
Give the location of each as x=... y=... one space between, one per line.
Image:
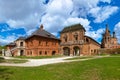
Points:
x=109 y=41
x=75 y=42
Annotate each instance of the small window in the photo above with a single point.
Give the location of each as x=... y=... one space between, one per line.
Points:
x=21 y=43
x=91 y=51
x=87 y=40
x=76 y=36
x=65 y=38
x=95 y=51
x=40 y=43
x=45 y=52
x=40 y=53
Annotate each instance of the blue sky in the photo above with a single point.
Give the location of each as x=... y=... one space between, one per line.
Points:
x=22 y=17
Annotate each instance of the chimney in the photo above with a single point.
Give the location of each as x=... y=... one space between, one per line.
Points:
x=41 y=27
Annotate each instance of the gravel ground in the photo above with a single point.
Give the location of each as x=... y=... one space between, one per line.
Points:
x=40 y=62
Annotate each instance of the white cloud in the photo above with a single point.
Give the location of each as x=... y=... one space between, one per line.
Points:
x=14 y=23
x=117 y=30
x=102 y=13
x=30 y=31
x=107 y=1
x=84 y=22
x=95 y=34
x=7 y=39
x=54 y=15
x=82 y=7
x=28 y=13
x=21 y=13
x=53 y=23
x=60 y=7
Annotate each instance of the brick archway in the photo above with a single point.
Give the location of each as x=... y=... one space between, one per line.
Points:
x=53 y=52
x=21 y=52
x=66 y=51
x=76 y=51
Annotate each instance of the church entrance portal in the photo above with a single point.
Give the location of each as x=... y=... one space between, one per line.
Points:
x=76 y=51
x=66 y=51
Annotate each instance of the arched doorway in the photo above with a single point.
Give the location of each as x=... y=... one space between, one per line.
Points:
x=76 y=51
x=66 y=51
x=21 y=52
x=53 y=52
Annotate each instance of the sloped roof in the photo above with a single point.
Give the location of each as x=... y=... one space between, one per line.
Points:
x=73 y=28
x=93 y=40
x=42 y=33
x=21 y=38
x=11 y=44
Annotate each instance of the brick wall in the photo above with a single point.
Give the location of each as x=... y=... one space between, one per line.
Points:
x=40 y=46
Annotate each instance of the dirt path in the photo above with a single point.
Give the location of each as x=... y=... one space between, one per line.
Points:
x=40 y=62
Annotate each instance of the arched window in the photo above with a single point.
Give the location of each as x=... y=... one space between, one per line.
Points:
x=40 y=43
x=40 y=53
x=21 y=43
x=45 y=52
x=87 y=40
x=53 y=52
x=65 y=38
x=76 y=36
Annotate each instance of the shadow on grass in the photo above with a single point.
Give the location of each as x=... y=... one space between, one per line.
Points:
x=5 y=74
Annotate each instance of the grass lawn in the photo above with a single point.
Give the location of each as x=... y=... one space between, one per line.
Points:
x=2 y=60
x=13 y=61
x=37 y=57
x=107 y=68
x=117 y=55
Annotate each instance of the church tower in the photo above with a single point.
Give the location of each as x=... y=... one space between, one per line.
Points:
x=106 y=40
x=109 y=41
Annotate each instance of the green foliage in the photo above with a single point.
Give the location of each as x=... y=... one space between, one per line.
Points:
x=12 y=61
x=2 y=47
x=107 y=68
x=15 y=61
x=1 y=59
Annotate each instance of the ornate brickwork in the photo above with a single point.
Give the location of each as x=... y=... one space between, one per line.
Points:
x=74 y=41
x=108 y=40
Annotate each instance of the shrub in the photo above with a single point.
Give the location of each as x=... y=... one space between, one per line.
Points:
x=1 y=59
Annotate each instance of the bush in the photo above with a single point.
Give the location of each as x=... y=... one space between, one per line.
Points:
x=1 y=59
